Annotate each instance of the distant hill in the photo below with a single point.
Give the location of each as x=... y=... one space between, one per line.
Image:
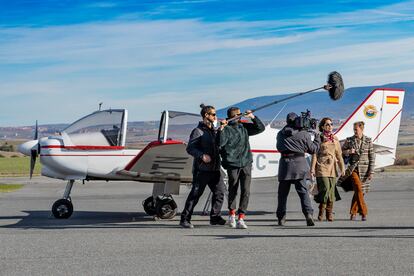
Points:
x=318 y=103
x=321 y=105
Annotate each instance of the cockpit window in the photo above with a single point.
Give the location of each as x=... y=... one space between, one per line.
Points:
x=177 y=125
x=101 y=128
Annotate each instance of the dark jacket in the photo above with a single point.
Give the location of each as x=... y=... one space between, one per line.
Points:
x=203 y=140
x=291 y=143
x=234 y=143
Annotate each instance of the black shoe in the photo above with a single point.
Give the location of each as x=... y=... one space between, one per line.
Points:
x=186 y=224
x=309 y=220
x=281 y=221
x=217 y=220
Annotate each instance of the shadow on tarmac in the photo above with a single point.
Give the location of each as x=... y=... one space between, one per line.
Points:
x=80 y=219
x=95 y=219
x=390 y=236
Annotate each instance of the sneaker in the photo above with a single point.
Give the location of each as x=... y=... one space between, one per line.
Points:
x=309 y=220
x=353 y=217
x=281 y=221
x=364 y=218
x=217 y=220
x=232 y=221
x=241 y=224
x=186 y=224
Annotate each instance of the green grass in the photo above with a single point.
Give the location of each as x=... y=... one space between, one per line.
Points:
x=18 y=166
x=7 y=188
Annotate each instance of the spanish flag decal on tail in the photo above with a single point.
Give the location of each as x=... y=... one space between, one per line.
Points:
x=393 y=100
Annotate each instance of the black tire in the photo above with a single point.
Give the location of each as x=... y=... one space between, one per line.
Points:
x=149 y=206
x=166 y=208
x=62 y=209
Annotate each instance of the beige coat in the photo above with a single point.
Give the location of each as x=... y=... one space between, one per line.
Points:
x=325 y=163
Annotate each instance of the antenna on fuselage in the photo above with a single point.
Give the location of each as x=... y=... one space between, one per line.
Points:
x=100 y=105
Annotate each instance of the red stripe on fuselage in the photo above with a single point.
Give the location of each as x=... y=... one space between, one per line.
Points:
x=264 y=151
x=88 y=155
x=83 y=147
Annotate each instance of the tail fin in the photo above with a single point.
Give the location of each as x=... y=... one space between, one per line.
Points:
x=381 y=112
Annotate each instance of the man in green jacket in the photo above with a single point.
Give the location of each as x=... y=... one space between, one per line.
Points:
x=237 y=160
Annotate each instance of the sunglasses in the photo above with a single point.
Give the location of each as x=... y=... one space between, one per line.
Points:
x=328 y=124
x=212 y=114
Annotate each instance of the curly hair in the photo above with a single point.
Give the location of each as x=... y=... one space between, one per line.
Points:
x=322 y=123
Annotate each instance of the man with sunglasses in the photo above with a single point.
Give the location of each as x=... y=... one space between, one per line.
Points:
x=237 y=160
x=203 y=146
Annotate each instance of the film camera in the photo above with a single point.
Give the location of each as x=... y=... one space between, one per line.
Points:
x=305 y=122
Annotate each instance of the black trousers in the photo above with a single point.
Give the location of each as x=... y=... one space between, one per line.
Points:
x=215 y=182
x=283 y=192
x=239 y=177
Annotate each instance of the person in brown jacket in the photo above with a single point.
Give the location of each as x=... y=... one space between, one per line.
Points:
x=360 y=150
x=325 y=165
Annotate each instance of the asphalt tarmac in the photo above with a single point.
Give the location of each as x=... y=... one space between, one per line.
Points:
x=109 y=234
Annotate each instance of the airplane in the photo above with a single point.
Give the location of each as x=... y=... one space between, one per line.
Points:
x=93 y=148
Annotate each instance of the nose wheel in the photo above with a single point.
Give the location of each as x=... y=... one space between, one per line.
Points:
x=62 y=208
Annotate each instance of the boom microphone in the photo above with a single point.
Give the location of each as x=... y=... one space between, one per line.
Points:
x=334 y=85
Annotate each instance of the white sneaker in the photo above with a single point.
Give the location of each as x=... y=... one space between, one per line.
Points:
x=241 y=224
x=232 y=221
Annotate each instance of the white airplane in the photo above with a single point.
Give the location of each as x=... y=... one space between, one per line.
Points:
x=93 y=148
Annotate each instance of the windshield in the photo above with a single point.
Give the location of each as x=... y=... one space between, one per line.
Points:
x=101 y=128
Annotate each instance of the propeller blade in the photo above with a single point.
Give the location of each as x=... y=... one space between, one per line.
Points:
x=36 y=132
x=33 y=155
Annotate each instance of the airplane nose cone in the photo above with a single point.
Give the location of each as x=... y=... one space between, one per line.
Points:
x=26 y=148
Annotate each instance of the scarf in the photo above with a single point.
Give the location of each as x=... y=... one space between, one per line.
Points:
x=328 y=136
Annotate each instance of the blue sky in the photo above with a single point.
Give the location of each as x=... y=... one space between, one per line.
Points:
x=59 y=59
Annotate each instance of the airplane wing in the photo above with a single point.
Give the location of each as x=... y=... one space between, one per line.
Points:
x=160 y=162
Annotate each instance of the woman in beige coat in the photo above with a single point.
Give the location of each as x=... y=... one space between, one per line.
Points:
x=324 y=166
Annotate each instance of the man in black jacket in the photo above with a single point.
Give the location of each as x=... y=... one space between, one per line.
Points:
x=293 y=143
x=237 y=160
x=204 y=148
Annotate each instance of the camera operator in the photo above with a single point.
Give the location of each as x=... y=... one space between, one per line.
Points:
x=293 y=141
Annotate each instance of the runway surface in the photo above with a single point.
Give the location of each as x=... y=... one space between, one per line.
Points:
x=109 y=234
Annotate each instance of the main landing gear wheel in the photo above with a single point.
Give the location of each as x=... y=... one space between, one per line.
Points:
x=62 y=208
x=166 y=208
x=149 y=206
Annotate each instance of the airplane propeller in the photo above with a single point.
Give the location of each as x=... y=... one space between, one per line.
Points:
x=33 y=157
x=34 y=151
